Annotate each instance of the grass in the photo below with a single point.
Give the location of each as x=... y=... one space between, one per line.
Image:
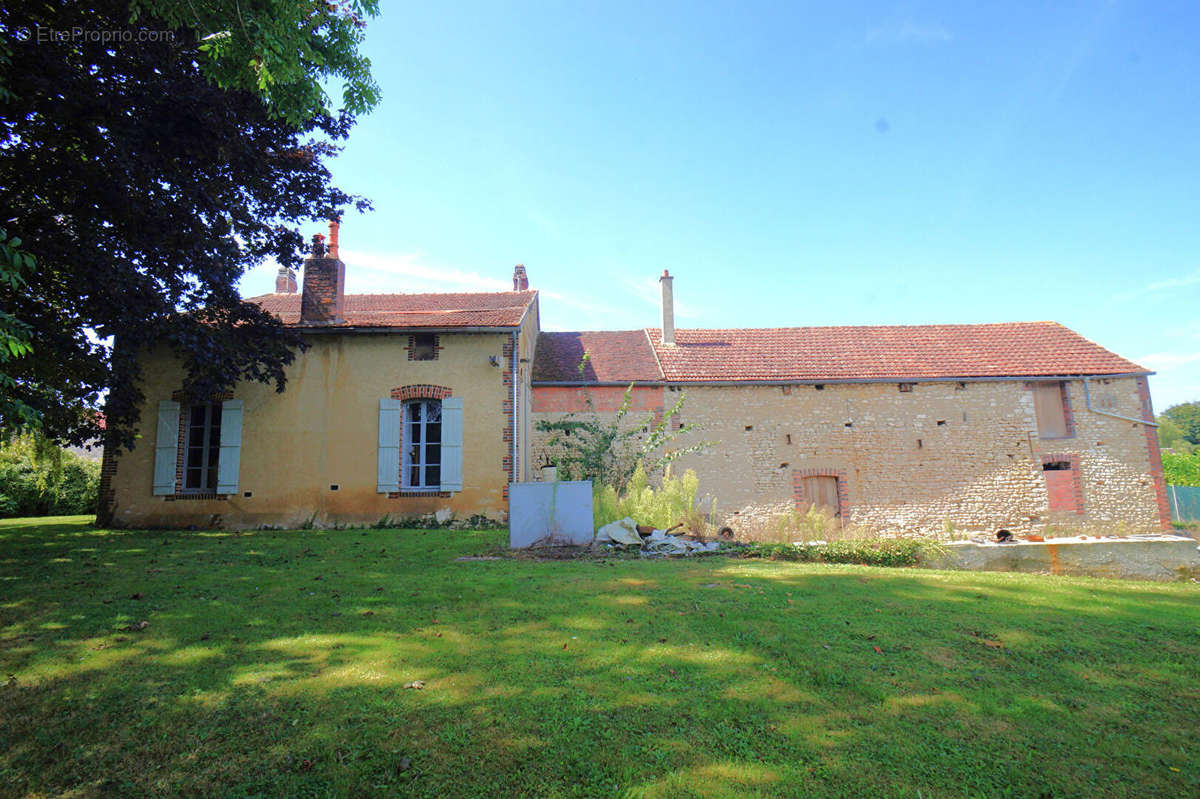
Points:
x=274 y=664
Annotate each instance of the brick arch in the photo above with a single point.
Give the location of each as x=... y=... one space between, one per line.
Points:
x=421 y=391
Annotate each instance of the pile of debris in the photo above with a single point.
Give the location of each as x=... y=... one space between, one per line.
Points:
x=651 y=541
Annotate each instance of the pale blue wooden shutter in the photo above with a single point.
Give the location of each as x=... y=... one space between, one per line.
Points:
x=166 y=448
x=230 y=459
x=452 y=446
x=391 y=417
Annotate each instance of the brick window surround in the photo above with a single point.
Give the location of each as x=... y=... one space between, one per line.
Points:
x=1064 y=488
x=413 y=354
x=185 y=412
x=419 y=391
x=800 y=499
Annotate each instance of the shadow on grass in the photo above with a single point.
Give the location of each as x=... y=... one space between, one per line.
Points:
x=275 y=664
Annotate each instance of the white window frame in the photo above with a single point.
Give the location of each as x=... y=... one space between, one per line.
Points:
x=407 y=446
x=208 y=473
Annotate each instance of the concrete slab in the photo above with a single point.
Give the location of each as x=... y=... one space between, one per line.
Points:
x=1149 y=557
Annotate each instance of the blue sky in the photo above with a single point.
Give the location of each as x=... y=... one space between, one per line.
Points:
x=864 y=164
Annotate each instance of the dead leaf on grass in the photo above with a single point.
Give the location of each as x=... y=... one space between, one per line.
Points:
x=415 y=685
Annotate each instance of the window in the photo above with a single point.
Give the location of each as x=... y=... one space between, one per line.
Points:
x=424 y=347
x=203 y=448
x=422 y=465
x=1050 y=402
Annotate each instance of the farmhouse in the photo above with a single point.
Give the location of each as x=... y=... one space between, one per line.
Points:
x=402 y=405
x=415 y=404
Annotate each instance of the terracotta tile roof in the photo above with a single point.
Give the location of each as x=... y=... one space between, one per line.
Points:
x=615 y=356
x=479 y=309
x=1016 y=349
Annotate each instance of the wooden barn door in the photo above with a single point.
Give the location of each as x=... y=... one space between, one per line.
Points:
x=823 y=492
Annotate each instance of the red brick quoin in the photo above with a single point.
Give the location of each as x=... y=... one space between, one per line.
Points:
x=1152 y=450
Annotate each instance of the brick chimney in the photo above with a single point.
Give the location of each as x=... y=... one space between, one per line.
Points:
x=285 y=281
x=324 y=285
x=668 y=307
x=520 y=279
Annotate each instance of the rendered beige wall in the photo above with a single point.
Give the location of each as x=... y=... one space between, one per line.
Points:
x=323 y=430
x=981 y=469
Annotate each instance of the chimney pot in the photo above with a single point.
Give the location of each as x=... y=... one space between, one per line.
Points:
x=520 y=279
x=318 y=246
x=668 y=308
x=334 y=226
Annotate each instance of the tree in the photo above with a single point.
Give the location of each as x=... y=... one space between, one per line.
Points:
x=1170 y=436
x=283 y=49
x=1187 y=417
x=144 y=191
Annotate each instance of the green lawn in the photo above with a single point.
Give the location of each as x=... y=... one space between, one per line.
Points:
x=274 y=664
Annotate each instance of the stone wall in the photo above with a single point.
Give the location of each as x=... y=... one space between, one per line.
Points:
x=927 y=458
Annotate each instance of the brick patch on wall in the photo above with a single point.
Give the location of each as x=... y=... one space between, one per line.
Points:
x=1064 y=488
x=1155 y=454
x=605 y=399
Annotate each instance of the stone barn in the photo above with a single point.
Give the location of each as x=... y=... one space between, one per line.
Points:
x=917 y=428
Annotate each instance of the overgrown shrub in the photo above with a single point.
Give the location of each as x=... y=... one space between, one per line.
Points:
x=586 y=446
x=40 y=479
x=867 y=552
x=674 y=501
x=1181 y=470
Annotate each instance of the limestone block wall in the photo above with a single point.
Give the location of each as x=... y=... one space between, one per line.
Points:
x=912 y=458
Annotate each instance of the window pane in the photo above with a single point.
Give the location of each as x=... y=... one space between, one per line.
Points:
x=433 y=433
x=433 y=411
x=433 y=476
x=433 y=454
x=412 y=411
x=193 y=479
x=414 y=478
x=414 y=433
x=214 y=437
x=196 y=437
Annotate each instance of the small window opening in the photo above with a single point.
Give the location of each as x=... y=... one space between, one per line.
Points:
x=849 y=424
x=333 y=487
x=783 y=465
x=248 y=494
x=1056 y=466
x=788 y=438
x=920 y=443
x=819 y=386
x=424 y=347
x=905 y=388
x=749 y=427
x=941 y=422
x=964 y=416
x=961 y=386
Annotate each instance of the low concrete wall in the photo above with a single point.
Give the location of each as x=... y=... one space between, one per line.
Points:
x=1166 y=557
